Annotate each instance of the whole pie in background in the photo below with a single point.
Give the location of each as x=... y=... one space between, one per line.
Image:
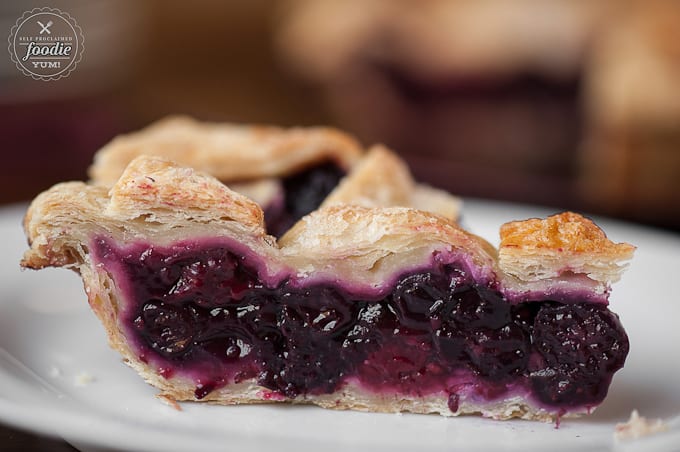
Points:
x=562 y=102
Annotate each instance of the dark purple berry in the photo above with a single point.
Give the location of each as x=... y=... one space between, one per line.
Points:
x=523 y=315
x=168 y=329
x=480 y=307
x=306 y=190
x=303 y=193
x=579 y=347
x=451 y=343
x=417 y=298
x=499 y=353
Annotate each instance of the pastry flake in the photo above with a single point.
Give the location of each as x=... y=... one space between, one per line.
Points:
x=638 y=427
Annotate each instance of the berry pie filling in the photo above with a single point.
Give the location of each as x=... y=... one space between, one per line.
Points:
x=303 y=192
x=211 y=311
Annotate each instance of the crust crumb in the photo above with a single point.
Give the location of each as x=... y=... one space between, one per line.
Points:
x=55 y=372
x=83 y=379
x=169 y=401
x=638 y=426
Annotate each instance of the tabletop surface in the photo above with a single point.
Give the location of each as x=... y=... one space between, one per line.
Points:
x=12 y=440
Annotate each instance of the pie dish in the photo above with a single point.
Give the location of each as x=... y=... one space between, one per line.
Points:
x=288 y=172
x=356 y=307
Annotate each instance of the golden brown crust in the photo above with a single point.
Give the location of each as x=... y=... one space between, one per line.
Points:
x=265 y=191
x=165 y=190
x=227 y=151
x=382 y=179
x=156 y=196
x=51 y=216
x=370 y=246
x=564 y=232
x=153 y=197
x=565 y=243
x=252 y=159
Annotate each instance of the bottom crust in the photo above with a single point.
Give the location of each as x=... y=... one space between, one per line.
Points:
x=353 y=397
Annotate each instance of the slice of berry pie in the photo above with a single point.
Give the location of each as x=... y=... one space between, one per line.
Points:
x=356 y=307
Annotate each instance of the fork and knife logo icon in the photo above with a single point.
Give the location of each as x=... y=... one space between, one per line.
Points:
x=46 y=44
x=45 y=28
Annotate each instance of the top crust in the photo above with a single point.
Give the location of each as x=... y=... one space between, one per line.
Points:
x=158 y=200
x=252 y=158
x=538 y=249
x=154 y=198
x=372 y=245
x=382 y=179
x=166 y=192
x=227 y=151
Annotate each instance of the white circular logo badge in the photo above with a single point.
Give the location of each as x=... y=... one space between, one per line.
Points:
x=46 y=44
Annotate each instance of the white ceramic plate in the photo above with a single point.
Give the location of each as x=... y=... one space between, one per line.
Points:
x=58 y=376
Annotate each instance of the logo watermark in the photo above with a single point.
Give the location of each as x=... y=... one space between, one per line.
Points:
x=46 y=44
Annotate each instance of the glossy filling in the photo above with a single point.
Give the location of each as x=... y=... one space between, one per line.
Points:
x=200 y=311
x=303 y=193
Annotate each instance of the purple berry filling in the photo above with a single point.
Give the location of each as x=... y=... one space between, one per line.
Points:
x=204 y=312
x=303 y=193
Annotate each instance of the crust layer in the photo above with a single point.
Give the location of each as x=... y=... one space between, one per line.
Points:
x=229 y=152
x=252 y=159
x=381 y=179
x=539 y=249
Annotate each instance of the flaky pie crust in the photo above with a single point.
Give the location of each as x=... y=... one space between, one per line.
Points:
x=230 y=152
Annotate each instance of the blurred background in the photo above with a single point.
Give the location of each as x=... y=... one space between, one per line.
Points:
x=568 y=104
